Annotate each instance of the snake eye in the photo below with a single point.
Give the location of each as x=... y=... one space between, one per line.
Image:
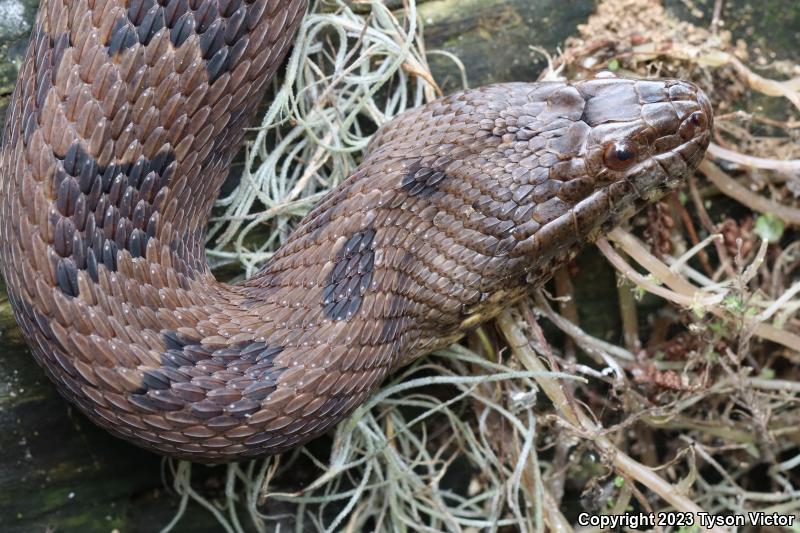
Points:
x=619 y=155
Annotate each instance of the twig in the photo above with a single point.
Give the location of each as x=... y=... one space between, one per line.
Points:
x=682 y=292
x=586 y=427
x=791 y=166
x=756 y=202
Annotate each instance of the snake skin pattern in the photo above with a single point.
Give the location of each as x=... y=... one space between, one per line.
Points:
x=120 y=132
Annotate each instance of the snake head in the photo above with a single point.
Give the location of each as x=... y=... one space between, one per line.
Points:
x=530 y=171
x=582 y=156
x=464 y=203
x=641 y=137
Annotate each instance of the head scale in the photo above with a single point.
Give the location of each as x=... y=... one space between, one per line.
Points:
x=648 y=134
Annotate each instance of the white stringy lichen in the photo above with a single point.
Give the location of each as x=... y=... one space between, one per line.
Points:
x=12 y=18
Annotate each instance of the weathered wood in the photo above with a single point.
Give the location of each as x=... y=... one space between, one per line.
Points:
x=16 y=17
x=493 y=38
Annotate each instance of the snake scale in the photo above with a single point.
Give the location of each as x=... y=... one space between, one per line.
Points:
x=119 y=134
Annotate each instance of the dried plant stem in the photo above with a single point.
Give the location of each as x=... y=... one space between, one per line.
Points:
x=585 y=426
x=556 y=521
x=791 y=166
x=705 y=220
x=680 y=291
x=566 y=304
x=627 y=312
x=756 y=202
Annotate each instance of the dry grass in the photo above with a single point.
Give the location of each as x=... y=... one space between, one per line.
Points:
x=696 y=410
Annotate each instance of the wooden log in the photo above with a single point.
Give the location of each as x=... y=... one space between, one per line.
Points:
x=494 y=38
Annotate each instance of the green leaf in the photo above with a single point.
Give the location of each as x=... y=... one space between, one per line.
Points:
x=698 y=310
x=733 y=302
x=769 y=227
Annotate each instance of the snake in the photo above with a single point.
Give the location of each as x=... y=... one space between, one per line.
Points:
x=119 y=134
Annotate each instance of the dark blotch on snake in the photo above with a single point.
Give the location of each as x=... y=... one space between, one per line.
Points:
x=67 y=277
x=421 y=180
x=95 y=196
x=183 y=357
x=351 y=276
x=123 y=36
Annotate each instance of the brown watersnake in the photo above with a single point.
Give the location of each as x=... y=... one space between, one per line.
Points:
x=120 y=131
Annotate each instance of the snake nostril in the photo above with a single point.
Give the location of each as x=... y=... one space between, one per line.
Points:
x=706 y=109
x=695 y=124
x=699 y=120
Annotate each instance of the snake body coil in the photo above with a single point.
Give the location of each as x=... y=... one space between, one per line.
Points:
x=119 y=134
